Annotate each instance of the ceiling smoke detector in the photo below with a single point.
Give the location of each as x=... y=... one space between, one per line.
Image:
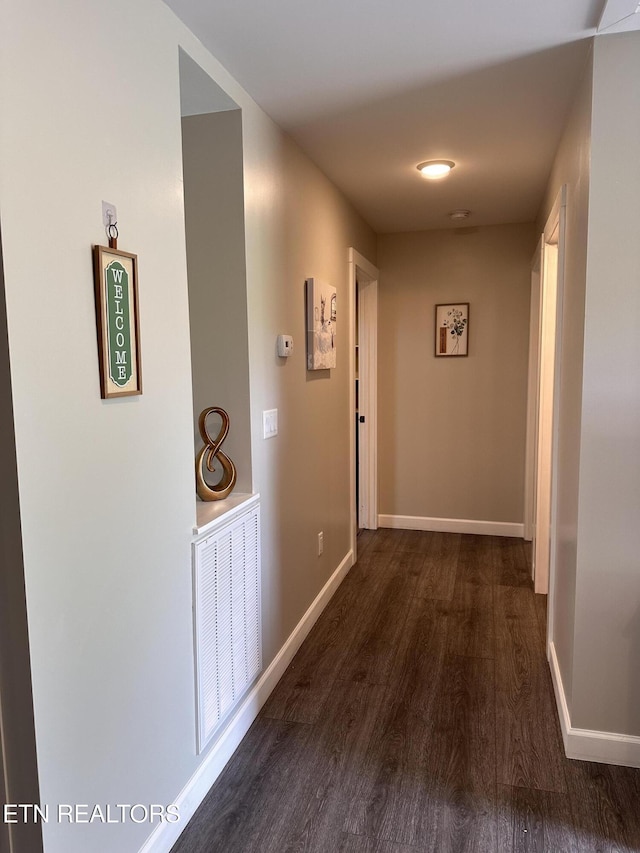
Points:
x=459 y=215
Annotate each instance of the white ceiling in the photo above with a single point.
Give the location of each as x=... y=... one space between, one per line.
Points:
x=371 y=89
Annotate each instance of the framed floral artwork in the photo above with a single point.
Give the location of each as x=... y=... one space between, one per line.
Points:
x=321 y=325
x=452 y=329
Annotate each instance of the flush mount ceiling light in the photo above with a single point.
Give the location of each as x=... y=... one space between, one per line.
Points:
x=435 y=168
x=458 y=215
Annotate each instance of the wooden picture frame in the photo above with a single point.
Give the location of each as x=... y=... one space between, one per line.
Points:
x=118 y=322
x=452 y=330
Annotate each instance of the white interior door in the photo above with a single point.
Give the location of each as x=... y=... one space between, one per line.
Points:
x=367 y=295
x=364 y=334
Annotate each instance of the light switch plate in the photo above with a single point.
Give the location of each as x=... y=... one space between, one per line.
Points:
x=269 y=423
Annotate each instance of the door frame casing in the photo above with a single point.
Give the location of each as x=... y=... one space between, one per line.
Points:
x=19 y=781
x=547 y=397
x=560 y=211
x=533 y=392
x=363 y=282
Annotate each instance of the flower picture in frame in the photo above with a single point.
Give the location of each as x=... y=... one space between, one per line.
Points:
x=452 y=329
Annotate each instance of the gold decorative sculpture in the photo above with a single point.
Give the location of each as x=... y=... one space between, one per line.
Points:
x=211 y=451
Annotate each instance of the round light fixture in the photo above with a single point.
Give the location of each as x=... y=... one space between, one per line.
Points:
x=458 y=215
x=435 y=168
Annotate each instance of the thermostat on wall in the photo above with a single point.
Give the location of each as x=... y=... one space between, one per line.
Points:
x=285 y=345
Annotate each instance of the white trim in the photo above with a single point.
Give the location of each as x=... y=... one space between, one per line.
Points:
x=619 y=16
x=165 y=835
x=366 y=266
x=371 y=273
x=353 y=510
x=452 y=525
x=368 y=346
x=209 y=514
x=552 y=288
x=586 y=744
x=533 y=395
x=562 y=203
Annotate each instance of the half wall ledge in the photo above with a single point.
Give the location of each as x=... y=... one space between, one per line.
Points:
x=209 y=513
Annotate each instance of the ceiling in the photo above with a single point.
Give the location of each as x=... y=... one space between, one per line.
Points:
x=369 y=90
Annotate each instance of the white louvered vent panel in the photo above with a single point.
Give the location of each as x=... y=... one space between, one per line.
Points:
x=227 y=618
x=206 y=619
x=252 y=598
x=224 y=639
x=238 y=609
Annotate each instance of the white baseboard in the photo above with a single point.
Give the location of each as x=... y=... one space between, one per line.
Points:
x=165 y=835
x=452 y=525
x=585 y=744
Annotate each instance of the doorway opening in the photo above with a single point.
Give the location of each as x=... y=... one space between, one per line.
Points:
x=19 y=781
x=547 y=282
x=363 y=298
x=212 y=155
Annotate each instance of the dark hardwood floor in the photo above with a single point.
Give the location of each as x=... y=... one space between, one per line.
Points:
x=419 y=716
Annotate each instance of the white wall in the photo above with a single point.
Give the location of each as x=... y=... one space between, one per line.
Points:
x=606 y=688
x=90 y=110
x=596 y=630
x=571 y=167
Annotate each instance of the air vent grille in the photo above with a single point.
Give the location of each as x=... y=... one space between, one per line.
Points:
x=227 y=619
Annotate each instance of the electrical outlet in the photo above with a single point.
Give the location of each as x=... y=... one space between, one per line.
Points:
x=320 y=543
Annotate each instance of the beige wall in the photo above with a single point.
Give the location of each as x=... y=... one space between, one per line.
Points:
x=303 y=473
x=452 y=431
x=217 y=281
x=571 y=167
x=106 y=487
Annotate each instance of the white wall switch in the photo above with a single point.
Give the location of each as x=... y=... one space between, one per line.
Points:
x=269 y=423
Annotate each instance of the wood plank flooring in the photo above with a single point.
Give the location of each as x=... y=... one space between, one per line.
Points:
x=418 y=717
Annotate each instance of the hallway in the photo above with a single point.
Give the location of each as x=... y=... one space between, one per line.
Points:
x=419 y=716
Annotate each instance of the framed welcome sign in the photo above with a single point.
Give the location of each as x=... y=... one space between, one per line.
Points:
x=116 y=283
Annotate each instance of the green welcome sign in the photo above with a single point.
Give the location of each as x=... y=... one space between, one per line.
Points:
x=116 y=283
x=118 y=324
